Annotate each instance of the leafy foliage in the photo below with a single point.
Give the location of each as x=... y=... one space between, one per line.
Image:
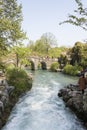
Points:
x=19 y=79
x=10 y=24
x=46 y=46
x=80 y=17
x=71 y=70
x=42 y=46
x=62 y=60
x=22 y=54
x=56 y=51
x=79 y=54
x=54 y=66
x=84 y=56
x=76 y=53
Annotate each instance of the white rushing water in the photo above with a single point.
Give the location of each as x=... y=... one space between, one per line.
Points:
x=41 y=108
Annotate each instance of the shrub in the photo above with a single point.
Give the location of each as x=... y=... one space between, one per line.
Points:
x=19 y=79
x=67 y=69
x=72 y=70
x=54 y=66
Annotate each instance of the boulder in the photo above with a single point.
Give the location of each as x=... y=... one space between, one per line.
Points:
x=75 y=100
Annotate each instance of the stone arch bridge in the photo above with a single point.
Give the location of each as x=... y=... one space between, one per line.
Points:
x=35 y=62
x=41 y=63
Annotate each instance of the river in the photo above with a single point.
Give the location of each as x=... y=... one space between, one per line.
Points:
x=41 y=108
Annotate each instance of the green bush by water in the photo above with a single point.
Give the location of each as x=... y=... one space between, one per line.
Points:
x=71 y=70
x=54 y=66
x=19 y=79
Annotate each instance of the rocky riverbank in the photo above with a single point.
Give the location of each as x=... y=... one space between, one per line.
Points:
x=7 y=100
x=74 y=99
x=5 y=92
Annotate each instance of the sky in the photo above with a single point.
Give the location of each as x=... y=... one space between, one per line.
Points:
x=43 y=16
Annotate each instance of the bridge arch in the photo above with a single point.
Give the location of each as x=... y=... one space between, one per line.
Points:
x=39 y=65
x=43 y=65
x=10 y=65
x=32 y=64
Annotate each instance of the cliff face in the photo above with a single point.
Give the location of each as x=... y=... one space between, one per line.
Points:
x=75 y=100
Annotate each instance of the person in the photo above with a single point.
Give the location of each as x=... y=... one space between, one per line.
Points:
x=81 y=83
x=86 y=79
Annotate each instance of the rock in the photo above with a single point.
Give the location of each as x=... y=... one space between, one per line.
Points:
x=5 y=92
x=75 y=100
x=5 y=100
x=0 y=124
x=85 y=102
x=1 y=107
x=75 y=104
x=2 y=88
x=1 y=72
x=2 y=82
x=10 y=89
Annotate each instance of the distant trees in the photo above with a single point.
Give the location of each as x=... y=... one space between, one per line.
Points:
x=44 y=44
x=49 y=39
x=56 y=51
x=41 y=47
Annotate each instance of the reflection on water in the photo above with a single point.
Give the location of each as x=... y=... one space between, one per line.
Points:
x=41 y=108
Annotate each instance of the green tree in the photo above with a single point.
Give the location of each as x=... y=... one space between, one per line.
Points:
x=22 y=54
x=46 y=42
x=76 y=53
x=84 y=56
x=49 y=40
x=55 y=52
x=11 y=32
x=43 y=45
x=62 y=60
x=40 y=47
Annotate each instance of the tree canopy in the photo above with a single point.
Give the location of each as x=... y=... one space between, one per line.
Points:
x=10 y=24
